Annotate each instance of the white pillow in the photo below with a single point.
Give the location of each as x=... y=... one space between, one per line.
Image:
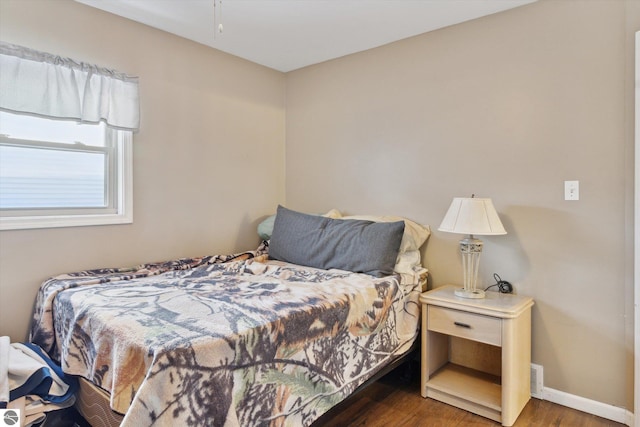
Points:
x=413 y=238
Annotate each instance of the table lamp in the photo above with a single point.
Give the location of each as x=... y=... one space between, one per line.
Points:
x=472 y=216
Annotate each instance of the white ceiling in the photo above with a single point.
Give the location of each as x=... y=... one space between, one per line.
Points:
x=290 y=34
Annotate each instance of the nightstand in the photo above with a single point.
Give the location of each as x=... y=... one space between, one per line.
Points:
x=476 y=353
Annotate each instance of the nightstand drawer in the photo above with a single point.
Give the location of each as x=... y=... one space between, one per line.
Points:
x=476 y=327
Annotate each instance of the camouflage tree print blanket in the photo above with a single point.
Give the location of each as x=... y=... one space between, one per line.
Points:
x=236 y=340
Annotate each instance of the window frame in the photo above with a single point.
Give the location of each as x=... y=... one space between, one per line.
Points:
x=119 y=188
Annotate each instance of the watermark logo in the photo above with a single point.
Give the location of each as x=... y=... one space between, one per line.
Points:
x=10 y=417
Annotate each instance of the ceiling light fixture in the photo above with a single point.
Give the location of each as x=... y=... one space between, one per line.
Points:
x=217 y=18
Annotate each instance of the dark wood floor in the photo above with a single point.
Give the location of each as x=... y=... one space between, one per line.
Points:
x=395 y=401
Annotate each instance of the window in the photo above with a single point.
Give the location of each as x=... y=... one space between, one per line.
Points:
x=56 y=173
x=65 y=141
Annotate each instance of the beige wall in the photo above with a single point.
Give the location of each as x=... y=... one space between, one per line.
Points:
x=208 y=160
x=507 y=106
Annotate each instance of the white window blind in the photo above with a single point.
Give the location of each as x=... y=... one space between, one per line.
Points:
x=39 y=168
x=64 y=178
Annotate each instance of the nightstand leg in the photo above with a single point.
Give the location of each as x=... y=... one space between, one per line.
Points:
x=424 y=369
x=516 y=367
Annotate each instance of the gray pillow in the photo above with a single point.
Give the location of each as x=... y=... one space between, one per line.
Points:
x=354 y=245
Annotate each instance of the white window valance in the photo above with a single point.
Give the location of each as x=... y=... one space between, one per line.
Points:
x=47 y=85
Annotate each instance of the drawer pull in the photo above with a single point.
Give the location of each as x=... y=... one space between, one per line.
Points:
x=462 y=325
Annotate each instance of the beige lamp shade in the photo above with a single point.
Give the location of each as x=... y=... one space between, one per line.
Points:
x=470 y=215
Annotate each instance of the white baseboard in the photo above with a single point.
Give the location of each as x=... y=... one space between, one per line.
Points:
x=610 y=412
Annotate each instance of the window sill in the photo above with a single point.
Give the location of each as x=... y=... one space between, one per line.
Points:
x=24 y=223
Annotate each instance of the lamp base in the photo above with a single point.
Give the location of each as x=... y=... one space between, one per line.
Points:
x=463 y=293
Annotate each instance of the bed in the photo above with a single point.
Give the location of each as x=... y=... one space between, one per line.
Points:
x=234 y=340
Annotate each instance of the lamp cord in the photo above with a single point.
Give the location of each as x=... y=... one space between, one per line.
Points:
x=503 y=286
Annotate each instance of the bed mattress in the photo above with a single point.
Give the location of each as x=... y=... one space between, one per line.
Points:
x=92 y=403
